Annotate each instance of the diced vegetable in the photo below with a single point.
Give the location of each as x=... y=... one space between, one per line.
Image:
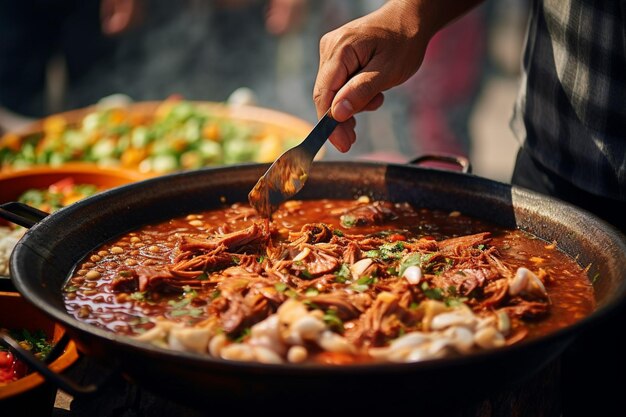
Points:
x=180 y=135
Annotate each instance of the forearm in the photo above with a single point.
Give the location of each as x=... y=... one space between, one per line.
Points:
x=436 y=14
x=371 y=54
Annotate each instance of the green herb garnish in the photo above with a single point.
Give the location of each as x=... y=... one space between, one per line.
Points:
x=332 y=320
x=347 y=220
x=343 y=274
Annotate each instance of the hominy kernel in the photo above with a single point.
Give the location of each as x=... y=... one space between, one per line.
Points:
x=196 y=223
x=92 y=275
x=90 y=292
x=130 y=262
x=81 y=272
x=88 y=265
x=95 y=258
x=103 y=253
x=154 y=249
x=297 y=354
x=70 y=296
x=135 y=239
x=116 y=250
x=83 y=312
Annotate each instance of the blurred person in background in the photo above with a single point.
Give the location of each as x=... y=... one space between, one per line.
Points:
x=569 y=119
x=442 y=94
x=57 y=55
x=34 y=32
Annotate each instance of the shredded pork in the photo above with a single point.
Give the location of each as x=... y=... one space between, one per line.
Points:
x=335 y=289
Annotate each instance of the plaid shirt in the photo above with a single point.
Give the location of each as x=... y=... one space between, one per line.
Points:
x=571 y=111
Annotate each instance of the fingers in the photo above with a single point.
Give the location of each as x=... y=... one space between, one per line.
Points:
x=117 y=15
x=338 y=61
x=349 y=80
x=344 y=135
x=375 y=103
x=363 y=88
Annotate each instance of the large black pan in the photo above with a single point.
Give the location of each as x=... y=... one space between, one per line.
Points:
x=45 y=256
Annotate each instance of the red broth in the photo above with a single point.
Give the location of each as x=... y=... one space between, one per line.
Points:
x=361 y=275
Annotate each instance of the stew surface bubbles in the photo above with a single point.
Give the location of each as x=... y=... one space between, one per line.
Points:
x=329 y=281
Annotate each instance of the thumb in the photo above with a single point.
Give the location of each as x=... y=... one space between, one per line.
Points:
x=355 y=96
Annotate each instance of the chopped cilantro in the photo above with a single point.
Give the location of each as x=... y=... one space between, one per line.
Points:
x=332 y=320
x=366 y=280
x=179 y=304
x=179 y=313
x=343 y=274
x=311 y=305
x=311 y=292
x=189 y=292
x=432 y=293
x=363 y=283
x=360 y=287
x=138 y=296
x=455 y=301
x=291 y=293
x=347 y=220
x=414 y=259
x=387 y=251
x=243 y=335
x=280 y=286
x=338 y=232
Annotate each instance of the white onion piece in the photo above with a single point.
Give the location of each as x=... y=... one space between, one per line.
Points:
x=359 y=267
x=413 y=274
x=302 y=255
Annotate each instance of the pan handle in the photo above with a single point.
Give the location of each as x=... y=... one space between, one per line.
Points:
x=450 y=159
x=21 y=214
x=58 y=380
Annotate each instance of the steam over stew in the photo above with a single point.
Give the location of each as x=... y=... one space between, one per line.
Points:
x=329 y=281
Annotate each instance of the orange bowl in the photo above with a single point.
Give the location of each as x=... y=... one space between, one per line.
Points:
x=32 y=394
x=14 y=183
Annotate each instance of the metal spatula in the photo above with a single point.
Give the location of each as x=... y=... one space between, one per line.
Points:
x=287 y=175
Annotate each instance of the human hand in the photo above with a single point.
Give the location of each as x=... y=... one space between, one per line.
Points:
x=117 y=16
x=284 y=16
x=365 y=57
